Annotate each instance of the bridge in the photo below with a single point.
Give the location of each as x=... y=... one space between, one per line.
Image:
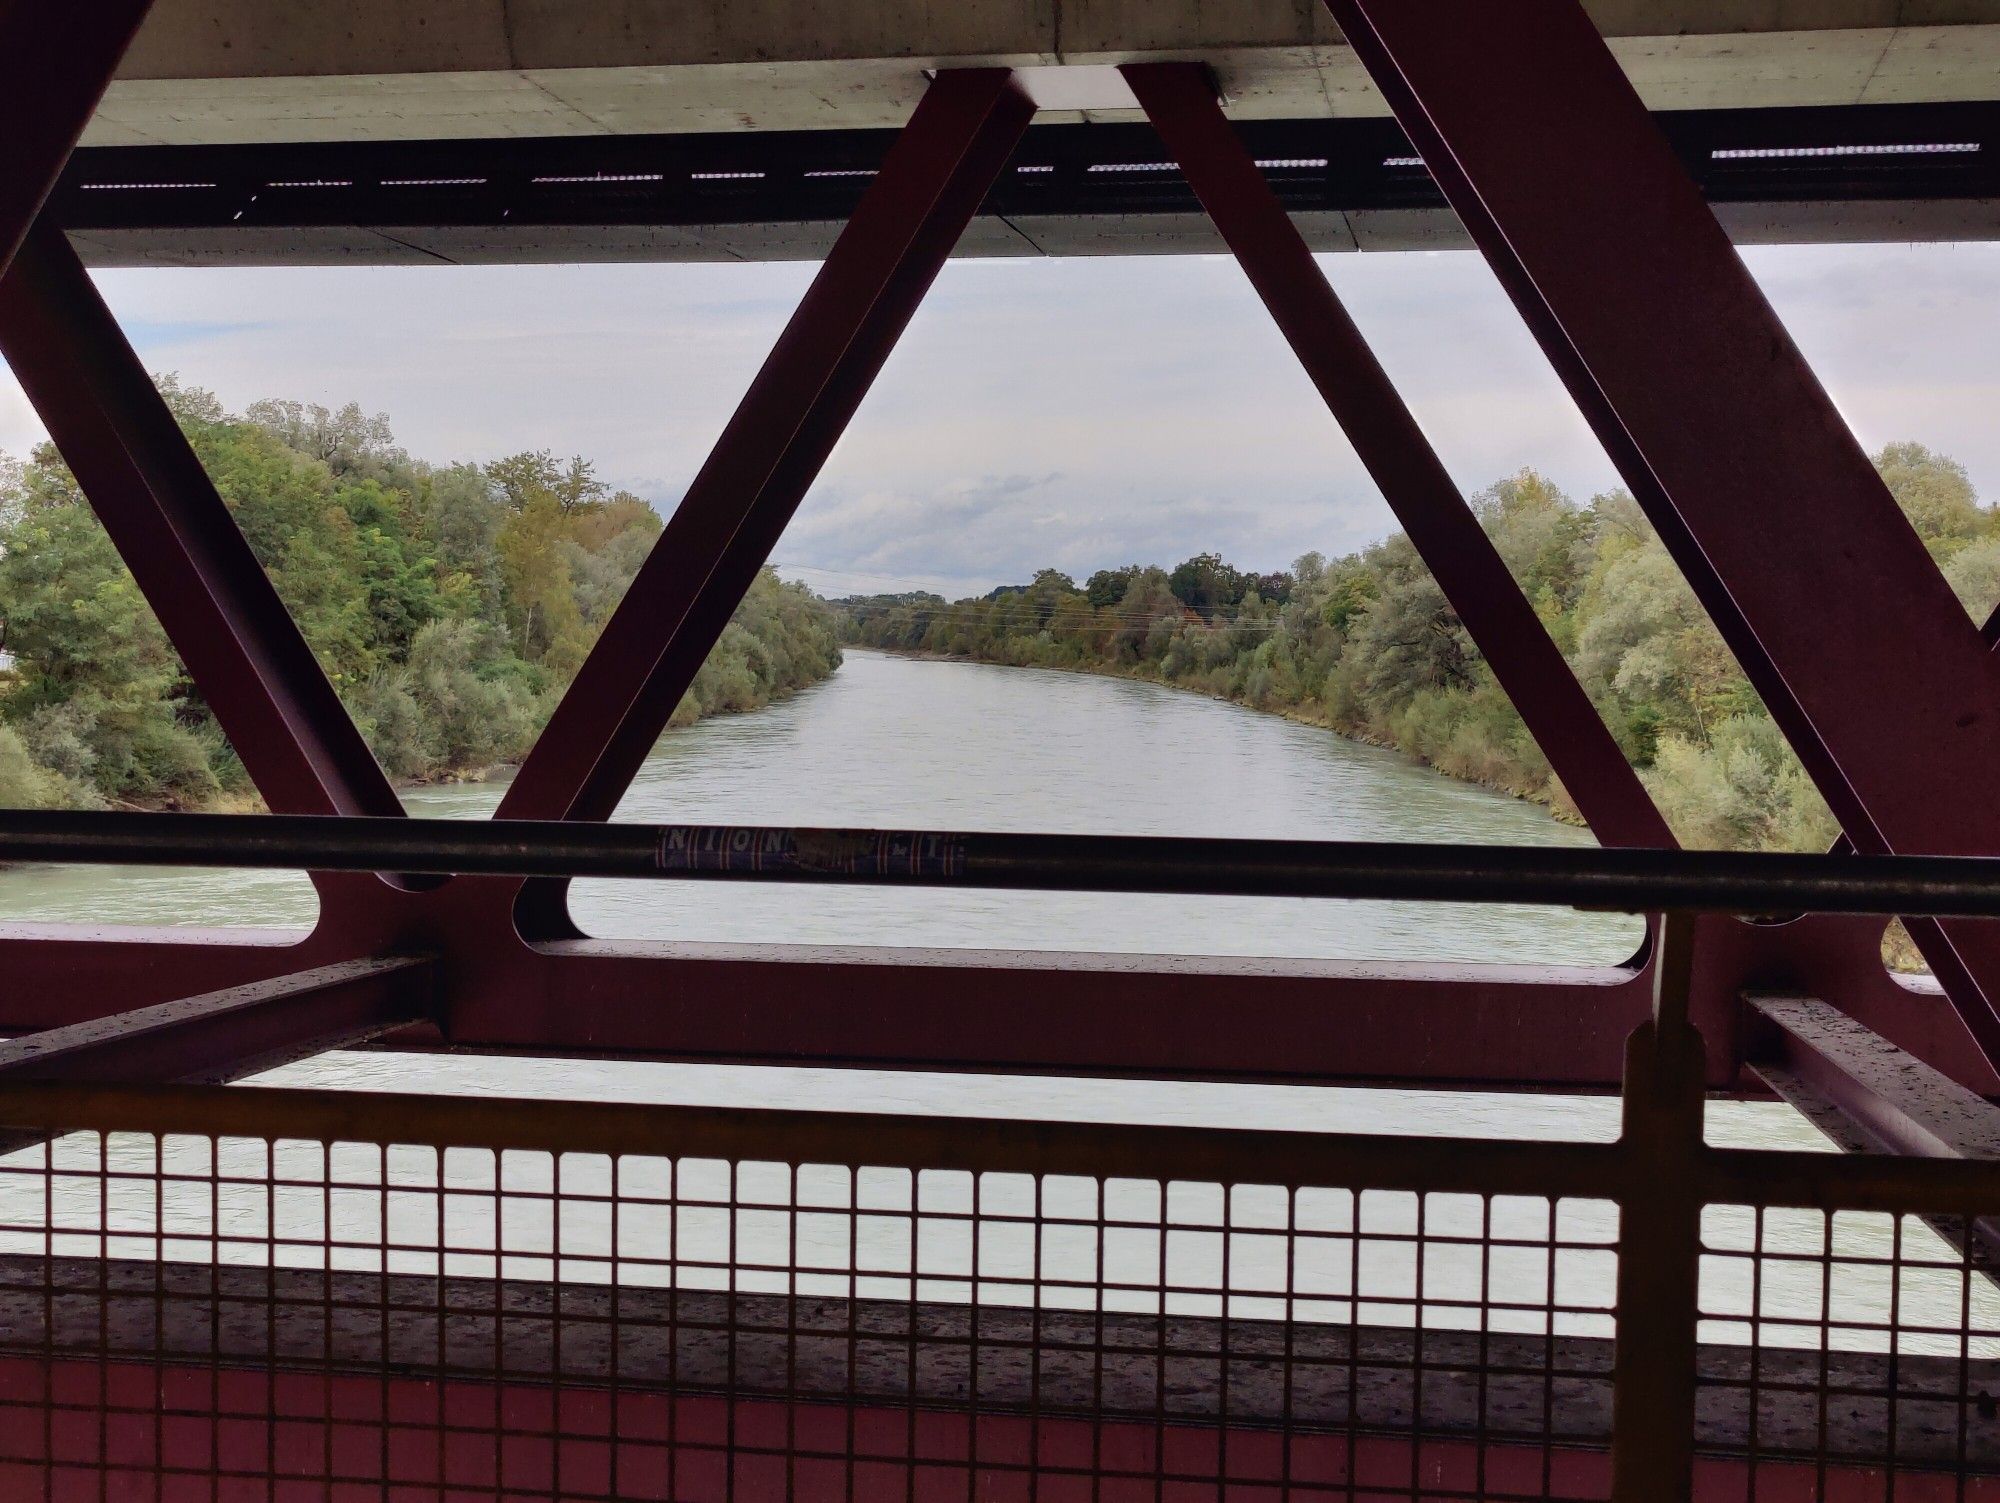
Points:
x=210 y=1289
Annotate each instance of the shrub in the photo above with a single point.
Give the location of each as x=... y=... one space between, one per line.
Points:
x=25 y=783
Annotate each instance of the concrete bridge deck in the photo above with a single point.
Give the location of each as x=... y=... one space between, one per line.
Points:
x=206 y=72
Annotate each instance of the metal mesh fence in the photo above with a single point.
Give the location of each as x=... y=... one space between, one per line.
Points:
x=192 y=1315
x=1849 y=1353
x=555 y=1300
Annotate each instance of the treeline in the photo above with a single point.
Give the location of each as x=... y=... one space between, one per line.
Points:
x=1367 y=645
x=450 y=605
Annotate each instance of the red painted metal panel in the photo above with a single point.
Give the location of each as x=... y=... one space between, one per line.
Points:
x=55 y=61
x=933 y=179
x=240 y=645
x=1946 y=967
x=1816 y=580
x=148 y=1435
x=1179 y=98
x=142 y=1434
x=1473 y=1026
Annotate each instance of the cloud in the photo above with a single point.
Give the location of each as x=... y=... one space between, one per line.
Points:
x=1080 y=413
x=166 y=334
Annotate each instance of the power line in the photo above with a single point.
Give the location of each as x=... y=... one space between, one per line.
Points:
x=1013 y=611
x=1018 y=605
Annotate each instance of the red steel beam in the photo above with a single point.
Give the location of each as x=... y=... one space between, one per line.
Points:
x=1871 y=1097
x=1924 y=932
x=1179 y=98
x=241 y=646
x=1551 y=1028
x=1769 y=505
x=55 y=63
x=225 y=1035
x=902 y=1008
x=1892 y=1101
x=878 y=271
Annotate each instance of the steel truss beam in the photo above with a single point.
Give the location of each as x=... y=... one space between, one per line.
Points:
x=1924 y=932
x=1871 y=1097
x=1791 y=541
x=1179 y=98
x=1175 y=1016
x=216 y=603
x=226 y=1035
x=1889 y=1102
x=930 y=183
x=1557 y=1028
x=55 y=63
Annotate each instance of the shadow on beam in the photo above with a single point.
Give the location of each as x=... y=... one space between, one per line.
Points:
x=225 y=1035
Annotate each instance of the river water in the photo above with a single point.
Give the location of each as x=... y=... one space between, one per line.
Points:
x=897 y=742
x=901 y=743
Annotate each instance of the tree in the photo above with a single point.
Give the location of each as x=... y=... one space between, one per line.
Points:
x=1050 y=589
x=1275 y=587
x=1646 y=641
x=1206 y=584
x=1537 y=531
x=1413 y=641
x=605 y=550
x=1935 y=493
x=411 y=583
x=397 y=577
x=1974 y=575
x=94 y=681
x=624 y=513
x=1148 y=615
x=542 y=610
x=347 y=442
x=1352 y=589
x=523 y=477
x=460 y=511
x=1108 y=586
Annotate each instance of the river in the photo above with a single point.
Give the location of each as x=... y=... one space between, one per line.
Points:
x=897 y=742
x=902 y=742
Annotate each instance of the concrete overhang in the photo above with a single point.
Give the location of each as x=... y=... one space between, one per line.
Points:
x=210 y=72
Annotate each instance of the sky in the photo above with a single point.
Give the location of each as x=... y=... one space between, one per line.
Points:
x=1079 y=413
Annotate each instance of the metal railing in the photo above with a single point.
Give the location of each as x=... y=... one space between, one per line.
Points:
x=1634 y=881
x=406 y=1295
x=587 y=1300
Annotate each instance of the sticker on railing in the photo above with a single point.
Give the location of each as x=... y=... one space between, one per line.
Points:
x=852 y=852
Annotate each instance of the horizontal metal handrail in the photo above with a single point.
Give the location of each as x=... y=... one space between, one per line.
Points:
x=735 y=1134
x=986 y=1145
x=1636 y=881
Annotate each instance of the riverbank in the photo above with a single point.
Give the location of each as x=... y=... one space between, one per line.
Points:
x=449 y=605
x=1367 y=646
x=1364 y=647
x=889 y=742
x=1548 y=796
x=718 y=690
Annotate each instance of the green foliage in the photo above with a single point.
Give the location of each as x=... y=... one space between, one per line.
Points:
x=448 y=605
x=1935 y=494
x=1108 y=586
x=446 y=711
x=1206 y=584
x=1368 y=645
x=782 y=634
x=24 y=782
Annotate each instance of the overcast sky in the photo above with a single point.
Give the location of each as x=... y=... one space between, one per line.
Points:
x=1080 y=413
